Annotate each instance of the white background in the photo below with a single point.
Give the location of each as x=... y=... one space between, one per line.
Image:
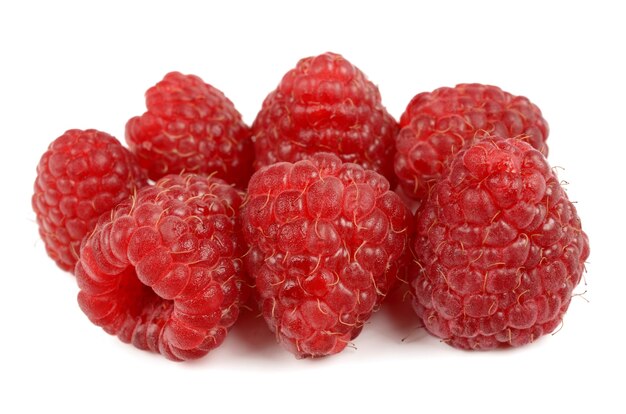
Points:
x=78 y=65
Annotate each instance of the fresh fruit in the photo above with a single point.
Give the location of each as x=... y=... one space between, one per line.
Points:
x=164 y=270
x=326 y=242
x=325 y=104
x=82 y=175
x=499 y=246
x=191 y=126
x=436 y=125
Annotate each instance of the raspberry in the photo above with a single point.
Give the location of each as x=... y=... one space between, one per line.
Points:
x=436 y=125
x=163 y=272
x=82 y=175
x=500 y=249
x=325 y=104
x=326 y=241
x=191 y=126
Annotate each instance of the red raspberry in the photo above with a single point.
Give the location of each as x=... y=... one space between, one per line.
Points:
x=163 y=272
x=500 y=248
x=326 y=242
x=436 y=125
x=82 y=175
x=325 y=104
x=191 y=126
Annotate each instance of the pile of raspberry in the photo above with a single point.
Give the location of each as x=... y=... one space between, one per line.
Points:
x=313 y=215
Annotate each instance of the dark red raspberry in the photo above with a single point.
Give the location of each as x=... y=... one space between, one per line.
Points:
x=325 y=104
x=436 y=125
x=326 y=241
x=191 y=126
x=500 y=248
x=82 y=175
x=164 y=270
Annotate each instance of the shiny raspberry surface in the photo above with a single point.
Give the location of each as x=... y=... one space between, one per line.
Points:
x=164 y=270
x=436 y=125
x=325 y=104
x=326 y=241
x=499 y=248
x=191 y=126
x=83 y=174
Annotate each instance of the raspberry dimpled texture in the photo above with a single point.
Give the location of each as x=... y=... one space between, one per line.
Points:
x=326 y=242
x=164 y=270
x=190 y=126
x=500 y=249
x=83 y=174
x=437 y=125
x=325 y=104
